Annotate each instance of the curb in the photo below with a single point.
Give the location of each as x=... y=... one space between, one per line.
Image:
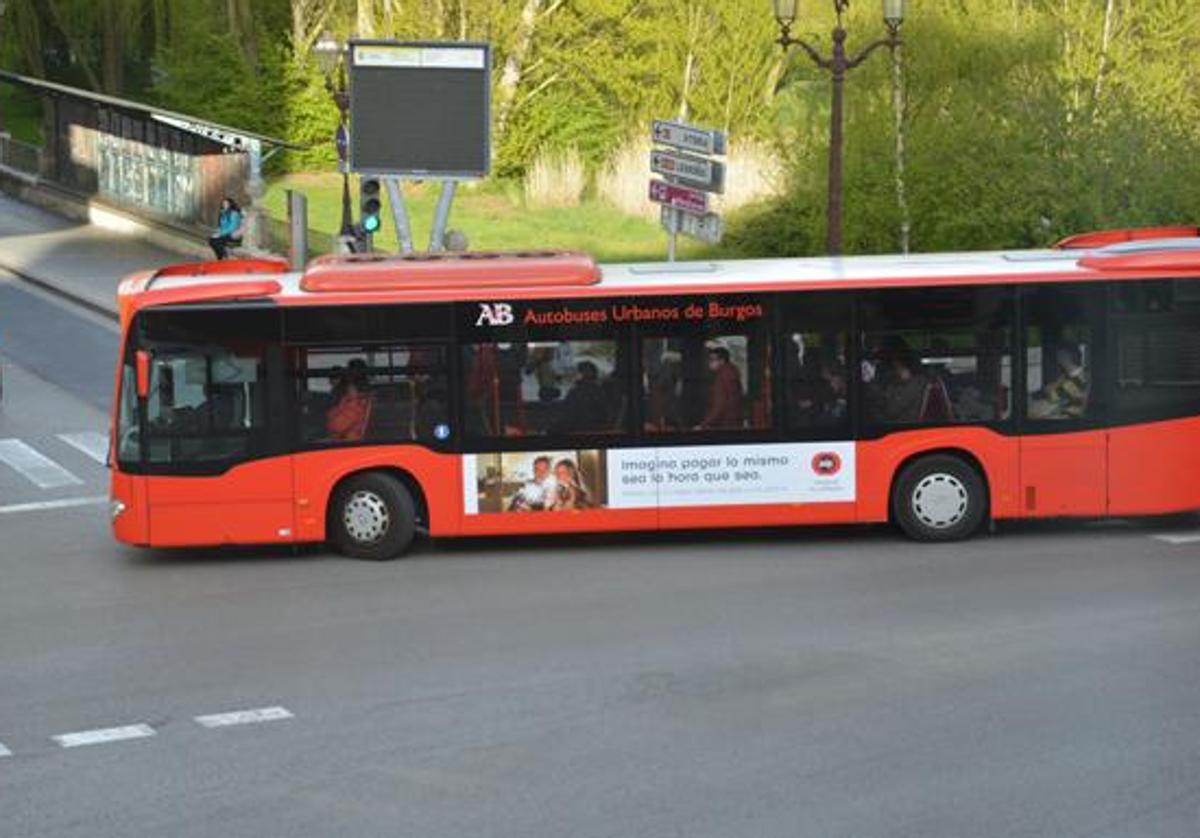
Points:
x=57 y=290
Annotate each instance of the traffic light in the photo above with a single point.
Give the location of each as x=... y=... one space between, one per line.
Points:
x=370 y=206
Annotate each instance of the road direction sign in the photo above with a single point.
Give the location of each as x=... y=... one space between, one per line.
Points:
x=681 y=197
x=699 y=172
x=708 y=227
x=687 y=137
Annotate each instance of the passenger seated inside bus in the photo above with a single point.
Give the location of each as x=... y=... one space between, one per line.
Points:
x=818 y=391
x=1066 y=396
x=347 y=418
x=585 y=407
x=897 y=391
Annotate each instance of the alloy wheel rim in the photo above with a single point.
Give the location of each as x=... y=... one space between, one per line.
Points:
x=366 y=517
x=940 y=500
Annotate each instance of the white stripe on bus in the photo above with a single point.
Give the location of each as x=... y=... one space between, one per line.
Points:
x=34 y=466
x=91 y=443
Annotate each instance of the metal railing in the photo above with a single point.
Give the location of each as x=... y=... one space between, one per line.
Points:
x=22 y=156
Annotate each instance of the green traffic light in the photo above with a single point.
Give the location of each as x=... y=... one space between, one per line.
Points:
x=370 y=223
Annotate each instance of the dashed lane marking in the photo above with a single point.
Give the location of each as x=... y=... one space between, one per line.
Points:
x=104 y=735
x=64 y=503
x=1190 y=538
x=91 y=443
x=245 y=717
x=4 y=752
x=34 y=466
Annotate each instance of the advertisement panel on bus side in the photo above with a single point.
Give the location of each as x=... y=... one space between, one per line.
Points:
x=644 y=478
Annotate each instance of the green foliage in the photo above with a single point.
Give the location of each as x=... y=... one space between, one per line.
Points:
x=1010 y=140
x=1025 y=119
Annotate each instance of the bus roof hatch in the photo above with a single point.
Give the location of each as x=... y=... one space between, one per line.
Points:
x=434 y=271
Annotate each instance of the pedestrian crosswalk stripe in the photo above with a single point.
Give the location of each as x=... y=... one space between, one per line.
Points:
x=94 y=444
x=1179 y=539
x=35 y=467
x=104 y=735
x=42 y=505
x=245 y=717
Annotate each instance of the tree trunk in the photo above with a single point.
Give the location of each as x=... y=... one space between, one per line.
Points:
x=112 y=60
x=364 y=18
x=308 y=20
x=510 y=77
x=899 y=106
x=391 y=17
x=29 y=34
x=240 y=15
x=77 y=50
x=1105 y=40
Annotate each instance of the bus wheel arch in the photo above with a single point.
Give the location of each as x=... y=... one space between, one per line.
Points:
x=373 y=513
x=953 y=472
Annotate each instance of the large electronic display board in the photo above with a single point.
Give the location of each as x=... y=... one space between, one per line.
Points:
x=420 y=109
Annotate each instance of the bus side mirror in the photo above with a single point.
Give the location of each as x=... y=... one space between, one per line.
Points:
x=142 y=361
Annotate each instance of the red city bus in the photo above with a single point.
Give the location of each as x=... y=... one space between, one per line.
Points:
x=369 y=397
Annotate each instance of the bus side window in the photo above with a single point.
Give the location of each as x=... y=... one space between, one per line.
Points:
x=937 y=356
x=390 y=393
x=713 y=382
x=1060 y=363
x=543 y=388
x=815 y=347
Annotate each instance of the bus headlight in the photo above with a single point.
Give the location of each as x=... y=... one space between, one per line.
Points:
x=116 y=508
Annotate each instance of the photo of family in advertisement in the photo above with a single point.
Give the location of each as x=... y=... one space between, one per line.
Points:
x=541 y=481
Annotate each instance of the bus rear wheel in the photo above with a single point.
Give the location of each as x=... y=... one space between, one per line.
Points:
x=939 y=497
x=372 y=517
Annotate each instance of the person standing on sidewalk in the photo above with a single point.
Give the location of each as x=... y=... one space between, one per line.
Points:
x=229 y=228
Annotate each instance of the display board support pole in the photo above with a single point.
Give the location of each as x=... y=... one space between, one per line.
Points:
x=399 y=214
x=437 y=237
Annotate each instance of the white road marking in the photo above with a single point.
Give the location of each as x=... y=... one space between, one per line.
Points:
x=4 y=752
x=65 y=503
x=94 y=444
x=41 y=470
x=245 y=717
x=1179 y=539
x=104 y=735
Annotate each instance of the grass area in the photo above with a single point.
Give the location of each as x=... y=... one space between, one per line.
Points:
x=493 y=218
x=22 y=114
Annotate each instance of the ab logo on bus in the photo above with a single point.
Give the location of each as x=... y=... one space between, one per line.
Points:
x=494 y=314
x=827 y=463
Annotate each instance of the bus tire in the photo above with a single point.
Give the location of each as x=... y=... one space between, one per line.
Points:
x=372 y=517
x=939 y=497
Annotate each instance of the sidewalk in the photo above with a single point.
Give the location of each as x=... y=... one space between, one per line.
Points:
x=82 y=262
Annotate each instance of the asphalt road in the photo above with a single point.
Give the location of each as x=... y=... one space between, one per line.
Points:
x=831 y=682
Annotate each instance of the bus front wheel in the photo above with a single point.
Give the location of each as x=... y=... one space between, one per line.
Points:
x=939 y=497
x=372 y=517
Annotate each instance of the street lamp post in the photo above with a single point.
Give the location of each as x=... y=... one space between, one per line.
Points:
x=838 y=64
x=331 y=57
